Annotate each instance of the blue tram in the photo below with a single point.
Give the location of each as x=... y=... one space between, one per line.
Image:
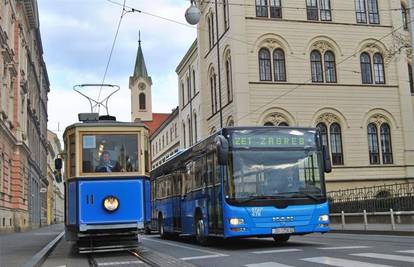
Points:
x=244 y=182
x=107 y=188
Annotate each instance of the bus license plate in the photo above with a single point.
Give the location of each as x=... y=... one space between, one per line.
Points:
x=283 y=230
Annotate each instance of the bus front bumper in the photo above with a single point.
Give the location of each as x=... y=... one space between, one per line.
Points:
x=245 y=231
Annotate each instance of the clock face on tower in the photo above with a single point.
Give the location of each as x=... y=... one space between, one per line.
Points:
x=142 y=86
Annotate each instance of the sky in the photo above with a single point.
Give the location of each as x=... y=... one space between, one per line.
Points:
x=77 y=37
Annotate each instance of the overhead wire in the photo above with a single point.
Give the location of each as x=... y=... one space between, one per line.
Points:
x=133 y=9
x=123 y=13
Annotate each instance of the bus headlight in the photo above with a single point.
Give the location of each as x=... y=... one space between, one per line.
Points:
x=111 y=203
x=324 y=218
x=236 y=221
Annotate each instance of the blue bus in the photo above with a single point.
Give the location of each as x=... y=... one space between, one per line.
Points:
x=244 y=182
x=107 y=185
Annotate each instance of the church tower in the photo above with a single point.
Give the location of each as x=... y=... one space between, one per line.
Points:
x=140 y=84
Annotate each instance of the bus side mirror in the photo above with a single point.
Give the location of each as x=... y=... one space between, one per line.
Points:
x=326 y=159
x=222 y=146
x=58 y=163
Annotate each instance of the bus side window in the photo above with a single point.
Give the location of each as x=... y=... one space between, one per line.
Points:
x=210 y=176
x=198 y=172
x=189 y=178
x=216 y=170
x=183 y=183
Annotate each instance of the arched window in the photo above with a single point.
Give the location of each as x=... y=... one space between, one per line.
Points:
x=410 y=77
x=142 y=101
x=330 y=67
x=404 y=14
x=366 y=72
x=316 y=66
x=188 y=88
x=195 y=128
x=213 y=92
x=374 y=157
x=194 y=82
x=184 y=139
x=265 y=65
x=284 y=124
x=210 y=38
x=261 y=8
x=324 y=134
x=225 y=14
x=268 y=124
x=279 y=65
x=190 y=131
x=229 y=80
x=183 y=93
x=379 y=74
x=336 y=144
x=386 y=146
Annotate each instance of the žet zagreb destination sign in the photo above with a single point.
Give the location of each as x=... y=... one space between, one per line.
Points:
x=273 y=138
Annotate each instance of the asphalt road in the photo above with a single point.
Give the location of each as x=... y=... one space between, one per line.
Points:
x=312 y=250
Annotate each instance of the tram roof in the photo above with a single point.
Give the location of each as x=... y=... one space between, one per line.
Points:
x=104 y=124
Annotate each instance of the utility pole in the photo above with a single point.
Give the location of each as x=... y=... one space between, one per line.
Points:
x=411 y=28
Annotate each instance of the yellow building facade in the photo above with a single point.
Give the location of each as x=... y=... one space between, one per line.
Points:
x=341 y=66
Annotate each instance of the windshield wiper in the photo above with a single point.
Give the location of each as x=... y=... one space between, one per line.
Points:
x=301 y=193
x=257 y=197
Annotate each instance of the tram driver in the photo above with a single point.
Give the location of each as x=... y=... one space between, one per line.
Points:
x=106 y=164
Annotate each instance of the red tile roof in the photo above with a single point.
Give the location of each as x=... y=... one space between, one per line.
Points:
x=157 y=120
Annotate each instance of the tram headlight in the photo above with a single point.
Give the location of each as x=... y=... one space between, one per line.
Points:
x=324 y=218
x=236 y=221
x=111 y=203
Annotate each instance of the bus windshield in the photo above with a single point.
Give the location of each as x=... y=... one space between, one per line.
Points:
x=264 y=173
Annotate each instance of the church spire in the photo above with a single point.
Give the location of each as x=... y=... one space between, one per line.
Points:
x=140 y=69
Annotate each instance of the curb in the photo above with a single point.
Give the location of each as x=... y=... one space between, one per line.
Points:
x=38 y=259
x=373 y=232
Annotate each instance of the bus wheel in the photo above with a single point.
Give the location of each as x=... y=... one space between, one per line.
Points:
x=161 y=229
x=281 y=238
x=200 y=237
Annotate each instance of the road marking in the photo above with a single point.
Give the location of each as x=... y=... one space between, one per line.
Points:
x=277 y=251
x=348 y=247
x=268 y=264
x=185 y=247
x=342 y=262
x=385 y=256
x=117 y=263
x=203 y=257
x=406 y=251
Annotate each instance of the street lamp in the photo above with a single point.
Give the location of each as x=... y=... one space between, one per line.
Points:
x=192 y=15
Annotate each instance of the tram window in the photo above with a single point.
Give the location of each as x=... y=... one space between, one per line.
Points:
x=110 y=153
x=72 y=157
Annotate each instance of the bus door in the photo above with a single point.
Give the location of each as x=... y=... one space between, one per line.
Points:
x=215 y=223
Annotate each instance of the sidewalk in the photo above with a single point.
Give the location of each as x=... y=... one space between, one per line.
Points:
x=18 y=248
x=383 y=229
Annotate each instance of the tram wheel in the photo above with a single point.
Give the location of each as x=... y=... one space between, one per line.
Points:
x=281 y=238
